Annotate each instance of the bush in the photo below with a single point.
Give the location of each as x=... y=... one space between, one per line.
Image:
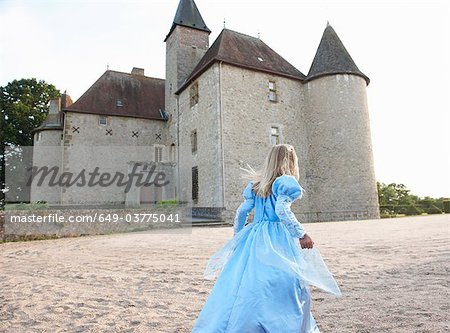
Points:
x=36 y=205
x=413 y=210
x=433 y=209
x=446 y=205
x=166 y=203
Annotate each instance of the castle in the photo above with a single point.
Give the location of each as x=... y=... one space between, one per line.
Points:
x=219 y=108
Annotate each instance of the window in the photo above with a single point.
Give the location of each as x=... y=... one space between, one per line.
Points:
x=173 y=153
x=194 y=140
x=274 y=135
x=194 y=93
x=272 y=91
x=195 y=184
x=103 y=120
x=272 y=85
x=38 y=136
x=158 y=154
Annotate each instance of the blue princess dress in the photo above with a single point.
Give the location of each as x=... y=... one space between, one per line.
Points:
x=264 y=276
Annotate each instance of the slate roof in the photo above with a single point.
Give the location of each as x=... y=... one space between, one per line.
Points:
x=188 y=15
x=333 y=58
x=140 y=96
x=244 y=51
x=54 y=121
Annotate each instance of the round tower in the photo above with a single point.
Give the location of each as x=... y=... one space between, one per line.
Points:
x=340 y=172
x=47 y=150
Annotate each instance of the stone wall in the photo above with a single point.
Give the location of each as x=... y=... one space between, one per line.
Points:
x=204 y=117
x=340 y=170
x=46 y=152
x=90 y=147
x=95 y=222
x=184 y=49
x=248 y=116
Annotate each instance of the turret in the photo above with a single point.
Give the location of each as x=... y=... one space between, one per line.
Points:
x=340 y=158
x=186 y=43
x=47 y=145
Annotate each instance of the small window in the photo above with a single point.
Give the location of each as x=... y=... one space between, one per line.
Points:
x=158 y=154
x=38 y=136
x=272 y=91
x=103 y=120
x=194 y=93
x=173 y=152
x=195 y=184
x=274 y=135
x=119 y=103
x=272 y=86
x=194 y=140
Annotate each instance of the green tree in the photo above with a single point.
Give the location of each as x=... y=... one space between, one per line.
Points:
x=23 y=107
x=396 y=199
x=431 y=205
x=392 y=194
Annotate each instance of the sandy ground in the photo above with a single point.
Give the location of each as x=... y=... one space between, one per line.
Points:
x=394 y=276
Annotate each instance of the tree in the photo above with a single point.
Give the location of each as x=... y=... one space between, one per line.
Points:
x=392 y=194
x=23 y=107
x=395 y=199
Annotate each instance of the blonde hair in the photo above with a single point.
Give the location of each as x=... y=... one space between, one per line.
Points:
x=280 y=160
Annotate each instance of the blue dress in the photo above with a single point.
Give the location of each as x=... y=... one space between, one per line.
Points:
x=264 y=276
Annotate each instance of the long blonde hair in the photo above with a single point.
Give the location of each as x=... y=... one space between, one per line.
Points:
x=281 y=159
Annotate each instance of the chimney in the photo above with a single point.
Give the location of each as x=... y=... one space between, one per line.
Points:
x=55 y=106
x=137 y=71
x=66 y=101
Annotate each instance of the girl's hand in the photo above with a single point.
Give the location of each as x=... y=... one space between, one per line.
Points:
x=306 y=242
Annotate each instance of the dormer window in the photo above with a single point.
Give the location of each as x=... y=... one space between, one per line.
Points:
x=119 y=103
x=103 y=120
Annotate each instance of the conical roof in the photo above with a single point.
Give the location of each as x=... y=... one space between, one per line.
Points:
x=188 y=15
x=243 y=51
x=333 y=58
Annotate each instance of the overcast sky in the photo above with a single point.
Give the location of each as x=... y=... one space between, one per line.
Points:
x=403 y=46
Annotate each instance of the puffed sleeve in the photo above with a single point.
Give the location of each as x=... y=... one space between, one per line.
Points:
x=287 y=189
x=245 y=208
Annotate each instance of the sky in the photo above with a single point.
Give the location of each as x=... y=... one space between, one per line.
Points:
x=403 y=46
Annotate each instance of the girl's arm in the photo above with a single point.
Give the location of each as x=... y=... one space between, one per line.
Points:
x=241 y=214
x=244 y=209
x=287 y=217
x=287 y=189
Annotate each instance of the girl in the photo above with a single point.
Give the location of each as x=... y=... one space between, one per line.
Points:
x=266 y=269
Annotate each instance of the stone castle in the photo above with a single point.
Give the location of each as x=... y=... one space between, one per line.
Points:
x=219 y=108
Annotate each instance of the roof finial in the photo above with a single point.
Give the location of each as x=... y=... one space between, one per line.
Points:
x=107 y=66
x=328 y=23
x=224 y=23
x=259 y=34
